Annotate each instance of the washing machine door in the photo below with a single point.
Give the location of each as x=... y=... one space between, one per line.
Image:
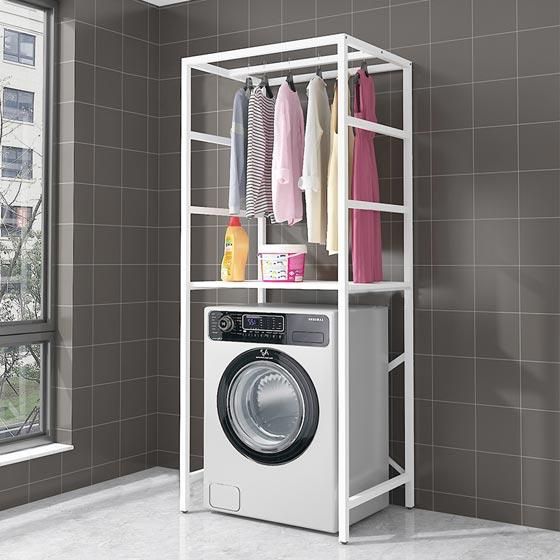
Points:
x=268 y=406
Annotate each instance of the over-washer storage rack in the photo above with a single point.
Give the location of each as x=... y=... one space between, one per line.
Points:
x=347 y=49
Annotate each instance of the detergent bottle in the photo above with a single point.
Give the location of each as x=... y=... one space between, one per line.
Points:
x=236 y=249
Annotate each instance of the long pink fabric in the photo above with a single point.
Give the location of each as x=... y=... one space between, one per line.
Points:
x=366 y=225
x=287 y=157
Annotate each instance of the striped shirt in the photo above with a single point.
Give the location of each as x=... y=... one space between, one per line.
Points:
x=259 y=154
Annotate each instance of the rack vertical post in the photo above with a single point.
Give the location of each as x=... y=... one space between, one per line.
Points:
x=343 y=300
x=185 y=291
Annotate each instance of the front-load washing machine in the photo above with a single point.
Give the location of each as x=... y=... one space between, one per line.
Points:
x=270 y=416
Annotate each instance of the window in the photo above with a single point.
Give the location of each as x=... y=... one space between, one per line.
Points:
x=26 y=145
x=18 y=105
x=19 y=47
x=17 y=163
x=15 y=219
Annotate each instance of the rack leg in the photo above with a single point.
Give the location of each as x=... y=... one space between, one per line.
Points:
x=185 y=322
x=408 y=293
x=343 y=302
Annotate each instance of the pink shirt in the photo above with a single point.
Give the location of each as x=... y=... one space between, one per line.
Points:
x=287 y=156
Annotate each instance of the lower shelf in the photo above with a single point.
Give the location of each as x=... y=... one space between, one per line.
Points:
x=306 y=285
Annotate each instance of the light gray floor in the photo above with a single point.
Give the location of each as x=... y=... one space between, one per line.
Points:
x=136 y=518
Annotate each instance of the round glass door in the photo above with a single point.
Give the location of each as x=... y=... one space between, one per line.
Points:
x=268 y=406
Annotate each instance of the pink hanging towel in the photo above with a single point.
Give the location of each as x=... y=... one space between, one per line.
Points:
x=366 y=225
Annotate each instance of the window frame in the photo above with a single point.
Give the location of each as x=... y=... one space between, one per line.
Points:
x=20 y=34
x=43 y=330
x=18 y=91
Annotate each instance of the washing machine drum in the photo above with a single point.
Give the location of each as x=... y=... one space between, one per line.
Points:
x=268 y=406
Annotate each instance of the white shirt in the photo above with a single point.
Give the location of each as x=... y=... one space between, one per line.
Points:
x=316 y=160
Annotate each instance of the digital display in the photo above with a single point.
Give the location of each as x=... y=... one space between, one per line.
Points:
x=273 y=323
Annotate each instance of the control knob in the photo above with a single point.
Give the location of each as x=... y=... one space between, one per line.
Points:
x=226 y=324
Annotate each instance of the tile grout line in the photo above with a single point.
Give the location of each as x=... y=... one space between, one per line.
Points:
x=159 y=225
x=94 y=176
x=475 y=348
x=432 y=330
x=519 y=334
x=149 y=131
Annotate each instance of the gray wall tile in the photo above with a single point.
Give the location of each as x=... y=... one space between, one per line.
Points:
x=451 y=19
x=541 y=434
x=495 y=103
x=539 y=146
x=454 y=425
x=409 y=24
x=540 y=386
x=497 y=382
x=451 y=63
x=535 y=42
x=452 y=107
x=494 y=57
x=496 y=16
x=538 y=99
x=499 y=477
x=453 y=379
x=454 y=471
x=498 y=430
x=539 y=338
x=541 y=483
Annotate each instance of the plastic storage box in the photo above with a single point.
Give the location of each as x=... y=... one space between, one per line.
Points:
x=282 y=263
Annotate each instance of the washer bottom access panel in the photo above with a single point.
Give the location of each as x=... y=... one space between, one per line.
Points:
x=270 y=383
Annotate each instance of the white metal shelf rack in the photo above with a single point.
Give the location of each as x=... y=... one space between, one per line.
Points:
x=348 y=49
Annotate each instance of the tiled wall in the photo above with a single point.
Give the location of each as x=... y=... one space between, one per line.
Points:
x=487 y=231
x=107 y=233
x=487 y=239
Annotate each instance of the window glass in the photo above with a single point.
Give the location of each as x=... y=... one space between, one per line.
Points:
x=11 y=46
x=20 y=391
x=18 y=105
x=26 y=49
x=17 y=163
x=19 y=47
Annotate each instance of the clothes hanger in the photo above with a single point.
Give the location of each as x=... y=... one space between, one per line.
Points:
x=364 y=67
x=264 y=83
x=319 y=72
x=248 y=84
x=290 y=78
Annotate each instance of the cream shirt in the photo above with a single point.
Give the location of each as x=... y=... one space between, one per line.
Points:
x=316 y=160
x=332 y=181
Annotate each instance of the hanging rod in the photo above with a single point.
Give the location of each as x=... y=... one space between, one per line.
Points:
x=330 y=74
x=298 y=78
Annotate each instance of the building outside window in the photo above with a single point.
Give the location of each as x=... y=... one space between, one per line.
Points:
x=19 y=47
x=26 y=305
x=18 y=105
x=17 y=163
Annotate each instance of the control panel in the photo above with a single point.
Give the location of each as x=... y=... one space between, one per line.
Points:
x=269 y=328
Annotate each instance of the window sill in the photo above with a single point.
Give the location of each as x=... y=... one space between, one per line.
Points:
x=34 y=453
x=21 y=64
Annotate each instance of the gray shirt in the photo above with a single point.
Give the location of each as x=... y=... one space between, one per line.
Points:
x=238 y=153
